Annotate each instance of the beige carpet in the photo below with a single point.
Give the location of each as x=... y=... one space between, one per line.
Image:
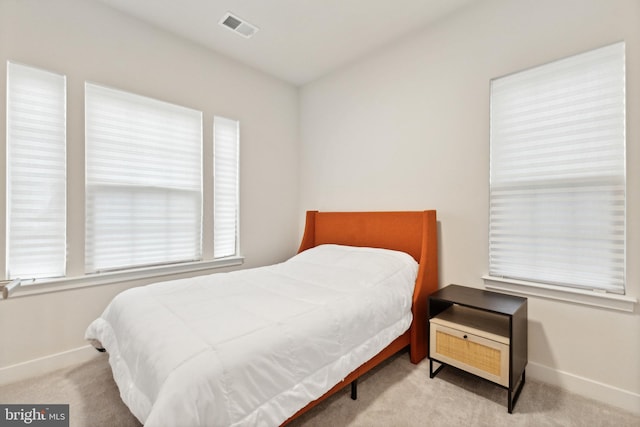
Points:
x=395 y=394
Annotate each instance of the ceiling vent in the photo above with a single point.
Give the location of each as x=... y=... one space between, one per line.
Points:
x=238 y=25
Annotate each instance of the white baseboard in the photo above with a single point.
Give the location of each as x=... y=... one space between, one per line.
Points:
x=586 y=387
x=46 y=364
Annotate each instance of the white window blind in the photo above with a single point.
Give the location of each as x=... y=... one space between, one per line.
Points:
x=143 y=181
x=226 y=187
x=36 y=173
x=557 y=180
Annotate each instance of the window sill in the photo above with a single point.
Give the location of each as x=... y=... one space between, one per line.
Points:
x=578 y=296
x=55 y=285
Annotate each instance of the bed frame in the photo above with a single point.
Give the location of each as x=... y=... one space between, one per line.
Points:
x=413 y=232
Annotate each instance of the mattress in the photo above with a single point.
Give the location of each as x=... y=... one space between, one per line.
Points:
x=252 y=347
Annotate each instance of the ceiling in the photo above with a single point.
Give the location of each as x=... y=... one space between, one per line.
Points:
x=298 y=40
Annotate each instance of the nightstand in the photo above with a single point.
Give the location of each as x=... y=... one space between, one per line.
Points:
x=481 y=332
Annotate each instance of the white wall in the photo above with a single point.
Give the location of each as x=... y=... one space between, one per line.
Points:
x=407 y=128
x=89 y=41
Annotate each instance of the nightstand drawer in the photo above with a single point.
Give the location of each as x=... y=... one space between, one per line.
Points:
x=479 y=355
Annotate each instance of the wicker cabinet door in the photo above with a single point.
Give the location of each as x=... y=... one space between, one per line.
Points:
x=481 y=356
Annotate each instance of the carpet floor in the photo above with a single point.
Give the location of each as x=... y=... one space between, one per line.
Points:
x=396 y=393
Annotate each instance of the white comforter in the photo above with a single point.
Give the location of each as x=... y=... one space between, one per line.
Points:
x=252 y=347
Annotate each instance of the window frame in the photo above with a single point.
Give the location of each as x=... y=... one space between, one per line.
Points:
x=592 y=294
x=226 y=182
x=75 y=277
x=161 y=177
x=50 y=113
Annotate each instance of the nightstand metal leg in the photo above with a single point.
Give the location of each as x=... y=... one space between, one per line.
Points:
x=433 y=373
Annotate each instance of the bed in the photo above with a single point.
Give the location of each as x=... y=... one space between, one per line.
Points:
x=262 y=346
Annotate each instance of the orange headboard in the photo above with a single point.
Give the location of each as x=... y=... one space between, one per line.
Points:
x=402 y=231
x=413 y=232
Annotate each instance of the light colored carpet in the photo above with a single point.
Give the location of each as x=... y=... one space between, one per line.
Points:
x=396 y=393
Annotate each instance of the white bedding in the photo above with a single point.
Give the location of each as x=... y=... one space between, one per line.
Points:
x=252 y=347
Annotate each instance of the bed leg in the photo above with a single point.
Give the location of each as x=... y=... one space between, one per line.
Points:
x=354 y=389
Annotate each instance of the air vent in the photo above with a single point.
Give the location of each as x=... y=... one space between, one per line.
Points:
x=238 y=25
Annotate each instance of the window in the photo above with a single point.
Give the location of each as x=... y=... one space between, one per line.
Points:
x=143 y=181
x=36 y=173
x=225 y=191
x=557 y=179
x=143 y=192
